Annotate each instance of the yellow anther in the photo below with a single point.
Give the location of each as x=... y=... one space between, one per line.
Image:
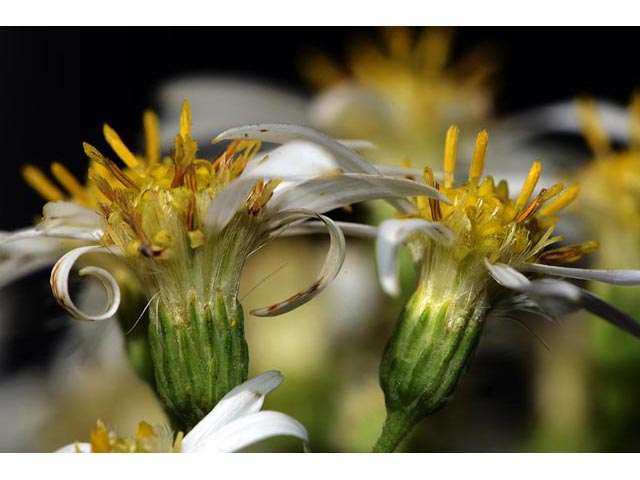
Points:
x=529 y=185
x=119 y=147
x=67 y=180
x=450 y=147
x=564 y=199
x=477 y=161
x=41 y=184
x=151 y=137
x=185 y=121
x=592 y=127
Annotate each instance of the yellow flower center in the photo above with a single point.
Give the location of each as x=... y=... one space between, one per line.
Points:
x=153 y=203
x=612 y=179
x=417 y=91
x=147 y=439
x=488 y=223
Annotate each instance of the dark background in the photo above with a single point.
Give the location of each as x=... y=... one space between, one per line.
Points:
x=60 y=85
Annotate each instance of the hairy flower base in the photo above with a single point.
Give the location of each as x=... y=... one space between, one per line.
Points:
x=200 y=354
x=424 y=359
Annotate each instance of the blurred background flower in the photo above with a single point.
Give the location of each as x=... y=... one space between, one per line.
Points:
x=58 y=377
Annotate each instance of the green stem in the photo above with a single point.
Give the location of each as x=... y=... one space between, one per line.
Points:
x=395 y=428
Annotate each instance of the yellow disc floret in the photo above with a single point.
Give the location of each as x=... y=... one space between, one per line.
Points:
x=148 y=439
x=489 y=224
x=152 y=201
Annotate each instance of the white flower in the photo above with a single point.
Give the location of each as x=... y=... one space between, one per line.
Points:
x=235 y=423
x=314 y=179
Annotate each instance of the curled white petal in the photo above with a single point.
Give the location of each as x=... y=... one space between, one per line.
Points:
x=615 y=277
x=357 y=230
x=391 y=235
x=60 y=284
x=245 y=399
x=347 y=159
x=332 y=264
x=249 y=429
x=83 y=447
x=326 y=193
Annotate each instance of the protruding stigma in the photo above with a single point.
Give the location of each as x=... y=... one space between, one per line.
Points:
x=529 y=185
x=450 y=147
x=479 y=154
x=561 y=201
x=151 y=136
x=185 y=120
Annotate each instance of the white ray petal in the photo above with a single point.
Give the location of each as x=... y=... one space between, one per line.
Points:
x=76 y=214
x=283 y=133
x=609 y=313
x=507 y=276
x=357 y=230
x=347 y=159
x=357 y=145
x=226 y=203
x=84 y=447
x=562 y=117
x=332 y=263
x=247 y=430
x=60 y=284
x=294 y=159
x=615 y=277
x=337 y=105
x=245 y=399
x=14 y=268
x=391 y=235
x=327 y=193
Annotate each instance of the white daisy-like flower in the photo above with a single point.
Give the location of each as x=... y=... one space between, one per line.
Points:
x=234 y=423
x=185 y=226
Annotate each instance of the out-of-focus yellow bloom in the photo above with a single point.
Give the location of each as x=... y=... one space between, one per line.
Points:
x=401 y=95
x=612 y=180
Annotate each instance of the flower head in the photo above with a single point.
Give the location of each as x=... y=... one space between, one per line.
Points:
x=186 y=226
x=471 y=255
x=235 y=423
